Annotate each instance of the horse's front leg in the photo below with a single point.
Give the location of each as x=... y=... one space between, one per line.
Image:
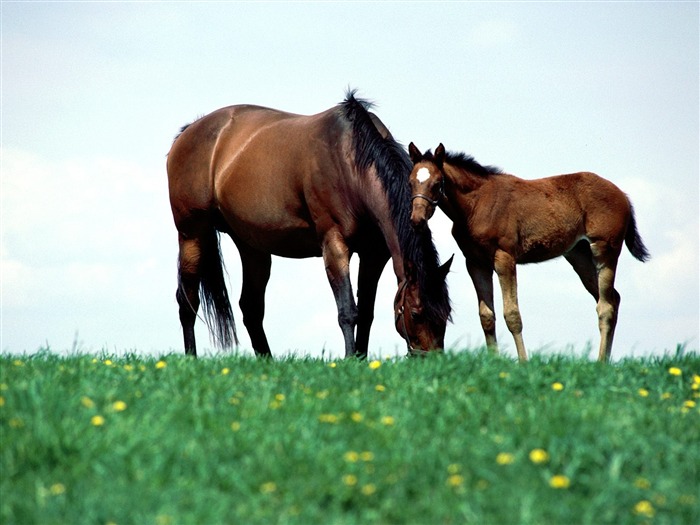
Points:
x=504 y=264
x=482 y=277
x=371 y=266
x=336 y=256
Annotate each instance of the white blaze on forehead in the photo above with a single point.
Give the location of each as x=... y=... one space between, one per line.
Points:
x=423 y=175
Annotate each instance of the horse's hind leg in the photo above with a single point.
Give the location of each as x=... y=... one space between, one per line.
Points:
x=605 y=258
x=188 y=288
x=256 y=274
x=505 y=267
x=483 y=284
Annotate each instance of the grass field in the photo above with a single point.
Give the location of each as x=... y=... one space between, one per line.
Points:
x=457 y=438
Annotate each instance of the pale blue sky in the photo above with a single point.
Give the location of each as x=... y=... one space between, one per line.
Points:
x=93 y=94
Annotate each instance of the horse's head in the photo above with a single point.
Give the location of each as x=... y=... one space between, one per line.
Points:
x=427 y=182
x=422 y=328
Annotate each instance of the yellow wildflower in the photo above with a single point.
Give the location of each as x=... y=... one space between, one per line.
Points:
x=87 y=402
x=268 y=488
x=333 y=364
x=505 y=458
x=119 y=406
x=108 y=362
x=356 y=417
x=2 y=401
x=369 y=489
x=503 y=375
x=161 y=364
x=235 y=426
x=57 y=489
x=557 y=387
x=538 y=456
x=350 y=480
x=128 y=367
x=328 y=418
x=644 y=508
x=97 y=421
x=380 y=388
x=225 y=371
x=375 y=364
x=642 y=483
x=455 y=480
x=666 y=395
x=643 y=392
x=387 y=420
x=559 y=482
x=366 y=455
x=675 y=371
x=351 y=456
x=689 y=404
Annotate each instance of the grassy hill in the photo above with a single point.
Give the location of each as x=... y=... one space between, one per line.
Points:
x=457 y=438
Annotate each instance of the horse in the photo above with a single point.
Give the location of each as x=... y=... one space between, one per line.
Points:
x=278 y=183
x=500 y=220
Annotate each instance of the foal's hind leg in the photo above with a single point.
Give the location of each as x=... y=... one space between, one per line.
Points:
x=256 y=274
x=188 y=288
x=581 y=259
x=505 y=264
x=483 y=284
x=605 y=257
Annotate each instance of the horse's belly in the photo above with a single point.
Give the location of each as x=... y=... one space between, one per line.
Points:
x=285 y=240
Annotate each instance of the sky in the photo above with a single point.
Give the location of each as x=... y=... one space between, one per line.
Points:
x=94 y=93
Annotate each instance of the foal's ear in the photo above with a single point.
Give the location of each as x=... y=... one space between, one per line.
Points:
x=414 y=152
x=439 y=155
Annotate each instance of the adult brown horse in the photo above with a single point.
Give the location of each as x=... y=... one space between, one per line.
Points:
x=328 y=185
x=501 y=220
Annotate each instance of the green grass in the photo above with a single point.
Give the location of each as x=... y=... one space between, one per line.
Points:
x=442 y=440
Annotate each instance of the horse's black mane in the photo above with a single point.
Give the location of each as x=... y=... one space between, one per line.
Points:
x=393 y=166
x=467 y=163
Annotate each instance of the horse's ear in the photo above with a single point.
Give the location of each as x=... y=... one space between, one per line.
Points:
x=440 y=155
x=414 y=152
x=445 y=268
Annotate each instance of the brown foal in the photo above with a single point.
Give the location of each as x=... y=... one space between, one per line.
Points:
x=500 y=221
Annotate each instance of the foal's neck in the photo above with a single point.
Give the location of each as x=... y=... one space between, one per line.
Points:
x=461 y=180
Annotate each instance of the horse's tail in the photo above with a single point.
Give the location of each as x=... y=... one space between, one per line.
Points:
x=214 y=295
x=634 y=241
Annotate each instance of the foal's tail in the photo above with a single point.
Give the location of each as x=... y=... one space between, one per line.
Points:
x=634 y=241
x=215 y=301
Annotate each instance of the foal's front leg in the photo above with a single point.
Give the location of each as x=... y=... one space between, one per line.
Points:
x=505 y=265
x=482 y=277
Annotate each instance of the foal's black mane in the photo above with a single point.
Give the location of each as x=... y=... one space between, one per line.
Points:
x=393 y=166
x=467 y=163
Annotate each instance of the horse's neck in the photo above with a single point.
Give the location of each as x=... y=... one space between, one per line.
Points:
x=458 y=184
x=462 y=180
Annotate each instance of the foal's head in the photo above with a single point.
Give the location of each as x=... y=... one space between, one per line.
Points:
x=427 y=182
x=422 y=328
